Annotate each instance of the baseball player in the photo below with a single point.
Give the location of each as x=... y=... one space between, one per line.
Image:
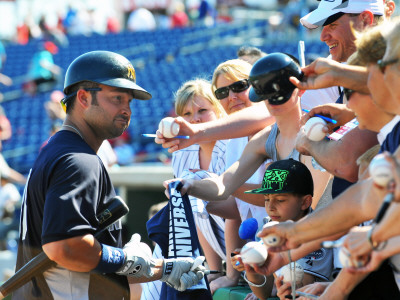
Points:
x=69 y=185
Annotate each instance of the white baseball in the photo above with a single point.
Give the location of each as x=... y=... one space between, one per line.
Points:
x=346 y=260
x=254 y=253
x=313 y=129
x=380 y=170
x=271 y=240
x=299 y=273
x=168 y=127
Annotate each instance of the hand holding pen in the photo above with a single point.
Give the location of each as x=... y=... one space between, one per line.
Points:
x=335 y=114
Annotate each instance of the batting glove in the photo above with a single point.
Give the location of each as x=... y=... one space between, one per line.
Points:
x=138 y=260
x=180 y=274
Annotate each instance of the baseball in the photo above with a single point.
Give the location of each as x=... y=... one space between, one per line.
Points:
x=299 y=273
x=168 y=127
x=346 y=261
x=313 y=129
x=254 y=253
x=380 y=170
x=271 y=240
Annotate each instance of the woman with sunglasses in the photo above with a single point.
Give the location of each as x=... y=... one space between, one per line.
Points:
x=231 y=87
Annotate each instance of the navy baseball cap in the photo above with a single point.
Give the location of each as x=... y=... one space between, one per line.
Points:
x=286 y=176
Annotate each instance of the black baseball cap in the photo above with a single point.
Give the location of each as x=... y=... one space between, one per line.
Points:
x=286 y=176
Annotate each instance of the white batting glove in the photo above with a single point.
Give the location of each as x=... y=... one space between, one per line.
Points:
x=180 y=274
x=138 y=260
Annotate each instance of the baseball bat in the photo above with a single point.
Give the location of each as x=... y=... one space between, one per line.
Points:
x=116 y=208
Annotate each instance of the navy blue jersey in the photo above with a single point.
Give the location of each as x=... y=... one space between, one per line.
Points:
x=67 y=186
x=392 y=141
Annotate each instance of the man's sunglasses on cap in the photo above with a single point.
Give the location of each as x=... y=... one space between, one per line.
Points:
x=236 y=87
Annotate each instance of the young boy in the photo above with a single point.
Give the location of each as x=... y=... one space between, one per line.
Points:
x=288 y=191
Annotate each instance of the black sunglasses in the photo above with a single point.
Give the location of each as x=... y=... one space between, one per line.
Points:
x=348 y=93
x=236 y=87
x=383 y=64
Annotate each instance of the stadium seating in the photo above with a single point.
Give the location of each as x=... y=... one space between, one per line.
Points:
x=163 y=60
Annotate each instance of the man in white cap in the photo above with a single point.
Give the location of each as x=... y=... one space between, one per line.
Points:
x=338 y=17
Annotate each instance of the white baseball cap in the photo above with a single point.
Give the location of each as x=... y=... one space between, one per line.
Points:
x=329 y=11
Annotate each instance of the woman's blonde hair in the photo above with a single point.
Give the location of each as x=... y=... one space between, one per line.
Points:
x=197 y=87
x=393 y=37
x=234 y=70
x=371 y=46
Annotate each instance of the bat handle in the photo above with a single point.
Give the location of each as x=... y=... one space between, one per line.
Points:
x=40 y=263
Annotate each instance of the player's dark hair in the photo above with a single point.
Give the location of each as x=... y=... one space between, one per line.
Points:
x=82 y=85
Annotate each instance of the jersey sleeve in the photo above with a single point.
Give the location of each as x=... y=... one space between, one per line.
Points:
x=72 y=198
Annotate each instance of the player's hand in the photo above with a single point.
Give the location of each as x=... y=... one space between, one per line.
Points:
x=321 y=73
x=335 y=111
x=285 y=231
x=237 y=262
x=138 y=259
x=185 y=128
x=186 y=185
x=180 y=274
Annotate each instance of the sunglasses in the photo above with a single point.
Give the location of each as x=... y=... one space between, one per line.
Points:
x=383 y=64
x=348 y=93
x=236 y=87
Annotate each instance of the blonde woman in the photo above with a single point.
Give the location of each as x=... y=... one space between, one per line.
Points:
x=196 y=103
x=231 y=87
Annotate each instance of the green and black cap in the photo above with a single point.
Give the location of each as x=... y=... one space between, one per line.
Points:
x=286 y=176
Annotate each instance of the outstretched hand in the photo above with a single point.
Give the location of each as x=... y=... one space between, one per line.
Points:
x=284 y=231
x=173 y=144
x=319 y=74
x=335 y=111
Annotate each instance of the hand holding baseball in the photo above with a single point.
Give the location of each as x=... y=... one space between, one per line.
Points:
x=168 y=127
x=271 y=240
x=315 y=129
x=282 y=232
x=185 y=128
x=254 y=253
x=380 y=170
x=339 y=112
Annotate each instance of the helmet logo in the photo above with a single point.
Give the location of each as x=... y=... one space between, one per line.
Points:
x=131 y=72
x=276 y=87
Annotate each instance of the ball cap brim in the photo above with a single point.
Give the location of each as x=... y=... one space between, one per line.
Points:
x=321 y=16
x=286 y=176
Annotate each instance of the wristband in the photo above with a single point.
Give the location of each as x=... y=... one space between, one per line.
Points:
x=111 y=260
x=375 y=245
x=253 y=284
